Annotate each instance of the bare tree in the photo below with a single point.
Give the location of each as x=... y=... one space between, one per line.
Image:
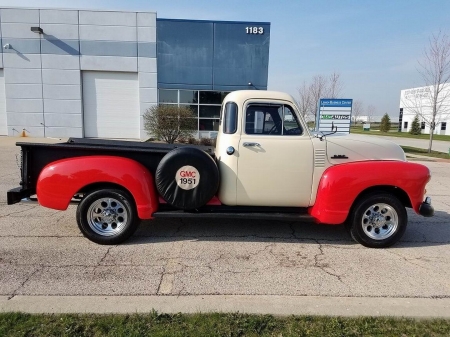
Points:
x=334 y=85
x=357 y=110
x=371 y=110
x=431 y=101
x=304 y=101
x=319 y=87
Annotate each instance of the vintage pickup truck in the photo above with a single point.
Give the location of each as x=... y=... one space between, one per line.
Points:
x=266 y=165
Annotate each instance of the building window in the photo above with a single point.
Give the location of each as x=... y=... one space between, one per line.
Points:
x=422 y=125
x=443 y=126
x=205 y=105
x=405 y=125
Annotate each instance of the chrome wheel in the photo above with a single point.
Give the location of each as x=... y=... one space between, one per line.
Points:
x=379 y=221
x=107 y=216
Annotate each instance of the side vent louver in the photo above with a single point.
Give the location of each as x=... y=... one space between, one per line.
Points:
x=319 y=158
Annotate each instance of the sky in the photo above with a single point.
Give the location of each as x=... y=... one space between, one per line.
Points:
x=374 y=45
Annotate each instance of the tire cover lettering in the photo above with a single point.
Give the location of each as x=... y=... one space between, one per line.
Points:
x=187 y=177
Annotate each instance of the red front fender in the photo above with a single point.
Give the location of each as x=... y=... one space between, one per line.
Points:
x=341 y=184
x=60 y=180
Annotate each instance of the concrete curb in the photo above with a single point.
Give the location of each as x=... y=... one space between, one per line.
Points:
x=275 y=305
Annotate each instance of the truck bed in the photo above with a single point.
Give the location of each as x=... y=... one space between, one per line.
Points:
x=35 y=156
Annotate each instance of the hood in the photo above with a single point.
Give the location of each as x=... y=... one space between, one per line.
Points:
x=342 y=148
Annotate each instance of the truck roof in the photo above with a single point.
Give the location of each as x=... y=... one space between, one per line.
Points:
x=240 y=96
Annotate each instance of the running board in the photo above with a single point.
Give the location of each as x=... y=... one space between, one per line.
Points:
x=226 y=215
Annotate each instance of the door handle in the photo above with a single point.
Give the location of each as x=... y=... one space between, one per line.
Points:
x=246 y=144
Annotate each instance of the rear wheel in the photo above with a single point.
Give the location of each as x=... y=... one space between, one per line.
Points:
x=377 y=220
x=107 y=216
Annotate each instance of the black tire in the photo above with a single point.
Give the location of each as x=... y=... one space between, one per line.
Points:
x=187 y=163
x=377 y=220
x=107 y=216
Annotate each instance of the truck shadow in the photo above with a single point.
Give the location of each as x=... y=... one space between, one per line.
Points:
x=421 y=232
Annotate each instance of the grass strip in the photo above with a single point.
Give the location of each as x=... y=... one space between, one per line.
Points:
x=359 y=130
x=214 y=324
x=423 y=152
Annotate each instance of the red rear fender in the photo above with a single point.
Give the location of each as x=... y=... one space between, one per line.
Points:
x=60 y=180
x=342 y=184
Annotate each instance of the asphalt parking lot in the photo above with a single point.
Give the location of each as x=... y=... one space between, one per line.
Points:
x=42 y=253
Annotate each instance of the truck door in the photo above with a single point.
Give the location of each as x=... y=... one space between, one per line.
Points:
x=275 y=162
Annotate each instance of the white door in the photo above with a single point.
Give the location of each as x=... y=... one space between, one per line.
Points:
x=3 y=123
x=111 y=104
x=275 y=164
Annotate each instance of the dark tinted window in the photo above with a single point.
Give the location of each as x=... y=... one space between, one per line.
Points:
x=230 y=118
x=188 y=96
x=444 y=126
x=209 y=111
x=168 y=96
x=208 y=124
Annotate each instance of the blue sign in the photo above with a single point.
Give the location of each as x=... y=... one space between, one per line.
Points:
x=336 y=103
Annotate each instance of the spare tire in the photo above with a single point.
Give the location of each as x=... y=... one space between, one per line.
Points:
x=187 y=178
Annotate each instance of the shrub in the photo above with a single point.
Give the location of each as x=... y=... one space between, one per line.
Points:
x=385 y=125
x=415 y=126
x=170 y=122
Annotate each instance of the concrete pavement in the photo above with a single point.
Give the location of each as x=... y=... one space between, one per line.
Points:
x=253 y=266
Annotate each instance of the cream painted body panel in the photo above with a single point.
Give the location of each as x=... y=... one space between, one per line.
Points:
x=279 y=172
x=285 y=170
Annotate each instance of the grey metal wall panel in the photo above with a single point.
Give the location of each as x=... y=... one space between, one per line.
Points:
x=24 y=105
x=22 y=46
x=148 y=95
x=61 y=91
x=109 y=48
x=59 y=31
x=147 y=49
x=50 y=61
x=148 y=65
x=185 y=52
x=107 y=18
x=107 y=33
x=60 y=47
x=24 y=119
x=146 y=19
x=22 y=76
x=20 y=15
x=240 y=57
x=19 y=30
x=58 y=16
x=58 y=76
x=24 y=91
x=148 y=80
x=11 y=60
x=62 y=106
x=62 y=119
x=146 y=34
x=57 y=132
x=108 y=63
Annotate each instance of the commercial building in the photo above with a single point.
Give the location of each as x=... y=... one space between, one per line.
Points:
x=84 y=73
x=418 y=101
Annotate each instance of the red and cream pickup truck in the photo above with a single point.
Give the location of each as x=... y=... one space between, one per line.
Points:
x=266 y=165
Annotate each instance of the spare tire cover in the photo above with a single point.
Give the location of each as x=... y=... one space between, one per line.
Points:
x=187 y=178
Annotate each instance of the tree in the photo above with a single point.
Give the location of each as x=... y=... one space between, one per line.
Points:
x=170 y=122
x=385 y=125
x=357 y=110
x=371 y=110
x=431 y=101
x=319 y=87
x=415 y=126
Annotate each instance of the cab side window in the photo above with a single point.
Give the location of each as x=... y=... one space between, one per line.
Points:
x=271 y=119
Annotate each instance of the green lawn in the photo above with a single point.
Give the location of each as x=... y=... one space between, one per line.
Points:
x=154 y=324
x=395 y=133
x=423 y=152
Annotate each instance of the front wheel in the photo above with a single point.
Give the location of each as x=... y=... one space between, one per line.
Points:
x=378 y=220
x=107 y=216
